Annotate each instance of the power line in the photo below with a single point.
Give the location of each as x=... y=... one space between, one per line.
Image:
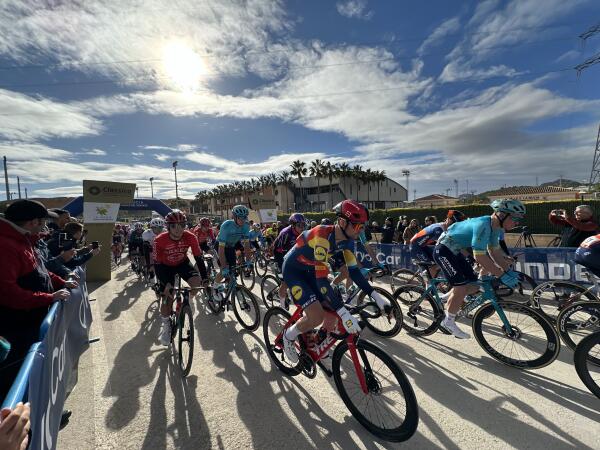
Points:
x=587 y=63
x=589 y=33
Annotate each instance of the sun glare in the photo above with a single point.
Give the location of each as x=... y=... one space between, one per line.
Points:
x=183 y=66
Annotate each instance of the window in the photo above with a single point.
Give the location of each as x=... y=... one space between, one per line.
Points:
x=394 y=189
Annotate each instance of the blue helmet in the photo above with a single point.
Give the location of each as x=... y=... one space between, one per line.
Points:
x=296 y=218
x=513 y=207
x=240 y=211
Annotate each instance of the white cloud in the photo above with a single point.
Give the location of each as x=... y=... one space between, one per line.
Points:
x=63 y=191
x=448 y=27
x=28 y=118
x=20 y=151
x=463 y=71
x=570 y=56
x=95 y=152
x=162 y=157
x=356 y=9
x=177 y=148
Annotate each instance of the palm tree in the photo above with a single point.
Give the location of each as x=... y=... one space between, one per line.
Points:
x=285 y=179
x=380 y=177
x=299 y=170
x=343 y=171
x=330 y=172
x=316 y=170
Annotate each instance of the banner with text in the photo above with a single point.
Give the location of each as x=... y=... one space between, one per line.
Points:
x=540 y=263
x=54 y=370
x=94 y=212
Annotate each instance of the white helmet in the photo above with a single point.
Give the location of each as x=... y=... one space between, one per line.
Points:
x=157 y=222
x=138 y=226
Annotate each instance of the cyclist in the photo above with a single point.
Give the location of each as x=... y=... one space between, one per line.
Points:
x=170 y=259
x=588 y=254
x=305 y=271
x=270 y=234
x=233 y=236
x=326 y=221
x=482 y=235
x=255 y=235
x=117 y=241
x=205 y=234
x=422 y=243
x=156 y=227
x=136 y=243
x=284 y=243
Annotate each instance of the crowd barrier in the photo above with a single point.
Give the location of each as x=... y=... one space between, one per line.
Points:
x=49 y=370
x=541 y=263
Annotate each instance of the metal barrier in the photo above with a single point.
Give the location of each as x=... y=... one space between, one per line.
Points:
x=18 y=391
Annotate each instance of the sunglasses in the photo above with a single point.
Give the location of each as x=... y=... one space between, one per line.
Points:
x=176 y=225
x=357 y=226
x=517 y=219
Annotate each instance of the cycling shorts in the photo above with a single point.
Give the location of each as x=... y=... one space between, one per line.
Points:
x=166 y=274
x=205 y=247
x=455 y=267
x=255 y=244
x=421 y=254
x=306 y=288
x=279 y=259
x=589 y=258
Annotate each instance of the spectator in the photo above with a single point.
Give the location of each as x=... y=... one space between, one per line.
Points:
x=375 y=228
x=313 y=223
x=576 y=229
x=430 y=220
x=412 y=229
x=58 y=223
x=387 y=232
x=74 y=233
x=402 y=225
x=27 y=289
x=14 y=427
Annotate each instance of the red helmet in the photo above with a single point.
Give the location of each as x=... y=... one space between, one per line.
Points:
x=175 y=216
x=456 y=216
x=352 y=211
x=205 y=222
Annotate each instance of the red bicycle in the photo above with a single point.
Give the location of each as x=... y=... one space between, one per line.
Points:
x=371 y=384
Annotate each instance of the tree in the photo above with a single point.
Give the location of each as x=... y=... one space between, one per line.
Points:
x=299 y=170
x=357 y=172
x=285 y=179
x=330 y=172
x=316 y=170
x=343 y=171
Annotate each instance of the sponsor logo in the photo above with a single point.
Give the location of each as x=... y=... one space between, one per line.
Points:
x=323 y=290
x=94 y=190
x=296 y=292
x=320 y=254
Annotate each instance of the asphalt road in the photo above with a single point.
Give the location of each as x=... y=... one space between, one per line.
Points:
x=130 y=394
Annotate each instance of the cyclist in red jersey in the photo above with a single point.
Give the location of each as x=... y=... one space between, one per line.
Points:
x=205 y=234
x=170 y=258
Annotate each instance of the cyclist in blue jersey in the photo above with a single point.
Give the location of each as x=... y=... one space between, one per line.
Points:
x=482 y=235
x=233 y=235
x=305 y=271
x=255 y=235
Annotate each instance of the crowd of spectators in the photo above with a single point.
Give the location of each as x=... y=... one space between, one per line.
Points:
x=36 y=270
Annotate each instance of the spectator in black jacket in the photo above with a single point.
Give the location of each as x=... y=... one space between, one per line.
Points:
x=58 y=223
x=387 y=232
x=73 y=232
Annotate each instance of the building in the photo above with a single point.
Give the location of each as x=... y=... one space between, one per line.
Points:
x=317 y=195
x=536 y=193
x=434 y=200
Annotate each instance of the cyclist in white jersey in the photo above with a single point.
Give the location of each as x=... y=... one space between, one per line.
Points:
x=157 y=226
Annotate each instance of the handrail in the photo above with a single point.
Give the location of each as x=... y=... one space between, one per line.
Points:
x=48 y=320
x=18 y=391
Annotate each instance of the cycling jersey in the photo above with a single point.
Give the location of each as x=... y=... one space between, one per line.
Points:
x=230 y=233
x=476 y=233
x=204 y=236
x=428 y=235
x=255 y=235
x=117 y=238
x=588 y=254
x=135 y=238
x=305 y=267
x=172 y=253
x=286 y=240
x=149 y=236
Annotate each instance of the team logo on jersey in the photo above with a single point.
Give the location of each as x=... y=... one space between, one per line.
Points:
x=320 y=254
x=324 y=290
x=297 y=292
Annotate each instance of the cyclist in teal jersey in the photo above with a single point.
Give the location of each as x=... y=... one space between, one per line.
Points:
x=482 y=235
x=233 y=235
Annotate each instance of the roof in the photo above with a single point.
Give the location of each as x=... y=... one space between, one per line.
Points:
x=435 y=197
x=520 y=190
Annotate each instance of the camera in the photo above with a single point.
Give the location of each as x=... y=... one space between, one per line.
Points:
x=64 y=243
x=95 y=244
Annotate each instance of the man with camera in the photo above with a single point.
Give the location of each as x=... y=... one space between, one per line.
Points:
x=68 y=242
x=576 y=228
x=27 y=289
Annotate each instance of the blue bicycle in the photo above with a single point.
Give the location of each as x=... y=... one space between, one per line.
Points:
x=516 y=335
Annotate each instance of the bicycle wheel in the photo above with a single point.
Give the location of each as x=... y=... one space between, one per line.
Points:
x=553 y=296
x=247 y=276
x=269 y=290
x=389 y=409
x=379 y=322
x=275 y=320
x=402 y=277
x=533 y=345
x=245 y=308
x=520 y=294
x=185 y=347
x=577 y=321
x=424 y=314
x=588 y=351
x=213 y=300
x=261 y=265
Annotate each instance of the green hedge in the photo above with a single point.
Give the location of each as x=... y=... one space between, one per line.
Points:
x=537 y=213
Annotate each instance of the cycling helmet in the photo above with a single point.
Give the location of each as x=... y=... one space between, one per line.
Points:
x=512 y=207
x=326 y=221
x=205 y=222
x=175 y=216
x=157 y=223
x=118 y=226
x=455 y=215
x=296 y=218
x=240 y=211
x=257 y=226
x=352 y=211
x=138 y=226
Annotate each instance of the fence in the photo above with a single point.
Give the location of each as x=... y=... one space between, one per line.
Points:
x=49 y=370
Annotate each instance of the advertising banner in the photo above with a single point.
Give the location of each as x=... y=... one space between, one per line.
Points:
x=54 y=370
x=268 y=215
x=94 y=212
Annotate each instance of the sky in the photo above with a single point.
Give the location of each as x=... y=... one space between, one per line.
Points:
x=484 y=92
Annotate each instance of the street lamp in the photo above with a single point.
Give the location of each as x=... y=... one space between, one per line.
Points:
x=176 y=187
x=137 y=192
x=406 y=173
x=151 y=187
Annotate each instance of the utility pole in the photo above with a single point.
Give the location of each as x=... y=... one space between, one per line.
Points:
x=176 y=187
x=456 y=187
x=151 y=187
x=596 y=164
x=406 y=173
x=414 y=194
x=448 y=191
x=137 y=192
x=25 y=193
x=467 y=186
x=19 y=187
x=6 y=180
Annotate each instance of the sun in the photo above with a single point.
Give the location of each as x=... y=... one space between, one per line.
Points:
x=183 y=66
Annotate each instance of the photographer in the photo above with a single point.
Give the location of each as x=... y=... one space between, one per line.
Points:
x=67 y=241
x=577 y=228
